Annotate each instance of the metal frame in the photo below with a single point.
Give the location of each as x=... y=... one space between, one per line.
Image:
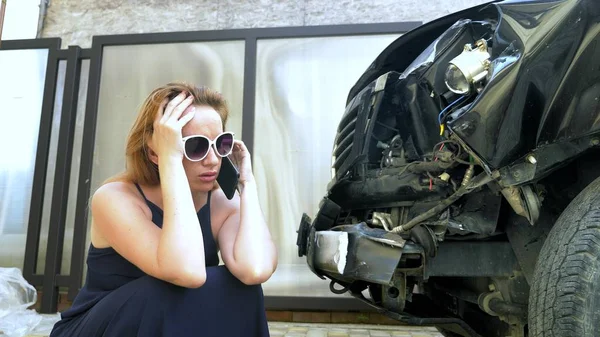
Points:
x=60 y=190
x=51 y=278
x=42 y=150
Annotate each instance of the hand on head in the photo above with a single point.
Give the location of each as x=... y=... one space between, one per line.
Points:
x=169 y=120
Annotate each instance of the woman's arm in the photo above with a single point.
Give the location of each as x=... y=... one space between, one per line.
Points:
x=175 y=253
x=246 y=244
x=181 y=247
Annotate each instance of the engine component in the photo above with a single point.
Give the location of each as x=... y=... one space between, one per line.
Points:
x=383 y=220
x=424 y=236
x=477 y=182
x=468 y=176
x=392 y=296
x=524 y=202
x=393 y=153
x=494 y=304
x=396 y=217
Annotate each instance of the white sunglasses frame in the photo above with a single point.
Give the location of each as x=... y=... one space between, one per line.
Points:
x=211 y=143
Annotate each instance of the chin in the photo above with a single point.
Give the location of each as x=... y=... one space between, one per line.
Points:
x=201 y=186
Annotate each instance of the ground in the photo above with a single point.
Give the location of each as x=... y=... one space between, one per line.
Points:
x=348 y=330
x=281 y=329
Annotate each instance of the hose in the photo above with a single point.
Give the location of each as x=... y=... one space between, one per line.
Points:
x=337 y=291
x=480 y=180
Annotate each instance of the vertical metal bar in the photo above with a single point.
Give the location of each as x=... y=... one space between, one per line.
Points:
x=41 y=164
x=60 y=191
x=2 y=12
x=85 y=169
x=248 y=107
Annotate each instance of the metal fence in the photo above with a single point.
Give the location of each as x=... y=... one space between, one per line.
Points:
x=52 y=279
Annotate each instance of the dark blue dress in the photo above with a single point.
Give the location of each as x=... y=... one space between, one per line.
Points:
x=118 y=299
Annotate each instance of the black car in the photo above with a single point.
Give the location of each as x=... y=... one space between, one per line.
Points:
x=465 y=190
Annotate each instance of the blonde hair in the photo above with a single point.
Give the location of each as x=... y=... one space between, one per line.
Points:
x=139 y=168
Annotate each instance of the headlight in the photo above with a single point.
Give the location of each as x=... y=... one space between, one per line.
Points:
x=468 y=68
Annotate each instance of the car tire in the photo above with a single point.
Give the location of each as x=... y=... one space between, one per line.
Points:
x=564 y=299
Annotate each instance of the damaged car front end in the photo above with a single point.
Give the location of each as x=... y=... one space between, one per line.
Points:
x=443 y=136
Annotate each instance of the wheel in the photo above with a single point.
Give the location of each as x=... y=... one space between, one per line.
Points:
x=564 y=299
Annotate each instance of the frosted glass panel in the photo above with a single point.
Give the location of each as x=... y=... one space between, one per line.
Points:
x=51 y=169
x=130 y=73
x=301 y=90
x=22 y=75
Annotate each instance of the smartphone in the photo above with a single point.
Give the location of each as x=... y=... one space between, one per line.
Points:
x=228 y=177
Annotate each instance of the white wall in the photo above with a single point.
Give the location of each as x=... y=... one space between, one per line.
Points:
x=21 y=19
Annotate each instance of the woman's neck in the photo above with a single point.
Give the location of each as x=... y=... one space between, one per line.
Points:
x=200 y=198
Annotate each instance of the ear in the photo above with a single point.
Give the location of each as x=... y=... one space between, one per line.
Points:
x=151 y=153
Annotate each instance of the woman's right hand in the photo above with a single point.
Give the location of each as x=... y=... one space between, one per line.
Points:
x=170 y=119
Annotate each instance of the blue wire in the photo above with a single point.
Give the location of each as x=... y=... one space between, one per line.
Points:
x=451 y=105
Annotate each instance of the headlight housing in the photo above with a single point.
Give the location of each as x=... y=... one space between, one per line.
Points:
x=468 y=69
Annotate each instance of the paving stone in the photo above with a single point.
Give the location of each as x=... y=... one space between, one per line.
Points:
x=293 y=329
x=401 y=334
x=278 y=331
x=365 y=332
x=338 y=330
x=337 y=334
x=316 y=333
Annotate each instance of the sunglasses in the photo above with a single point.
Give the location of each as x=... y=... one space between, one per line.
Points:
x=196 y=147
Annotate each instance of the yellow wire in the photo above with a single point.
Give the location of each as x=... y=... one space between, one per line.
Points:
x=441 y=129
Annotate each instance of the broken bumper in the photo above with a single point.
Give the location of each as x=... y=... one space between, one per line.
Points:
x=350 y=253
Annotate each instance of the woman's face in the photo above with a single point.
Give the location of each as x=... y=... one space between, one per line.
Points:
x=203 y=174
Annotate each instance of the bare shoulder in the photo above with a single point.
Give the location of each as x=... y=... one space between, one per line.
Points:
x=112 y=203
x=124 y=193
x=116 y=188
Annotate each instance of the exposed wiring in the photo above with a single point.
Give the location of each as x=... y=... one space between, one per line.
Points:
x=435 y=159
x=450 y=106
x=457 y=156
x=446 y=111
x=475 y=183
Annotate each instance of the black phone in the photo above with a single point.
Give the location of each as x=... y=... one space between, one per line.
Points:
x=228 y=177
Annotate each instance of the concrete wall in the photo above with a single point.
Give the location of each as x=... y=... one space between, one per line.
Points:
x=76 y=21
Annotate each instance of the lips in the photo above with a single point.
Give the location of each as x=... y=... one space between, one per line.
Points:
x=208 y=176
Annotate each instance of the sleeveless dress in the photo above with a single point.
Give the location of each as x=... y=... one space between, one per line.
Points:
x=118 y=299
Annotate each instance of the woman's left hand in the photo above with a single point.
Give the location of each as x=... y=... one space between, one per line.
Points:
x=240 y=157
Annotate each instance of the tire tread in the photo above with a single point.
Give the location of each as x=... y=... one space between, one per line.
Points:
x=563 y=277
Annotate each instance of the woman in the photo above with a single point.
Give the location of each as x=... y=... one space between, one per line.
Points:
x=156 y=230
